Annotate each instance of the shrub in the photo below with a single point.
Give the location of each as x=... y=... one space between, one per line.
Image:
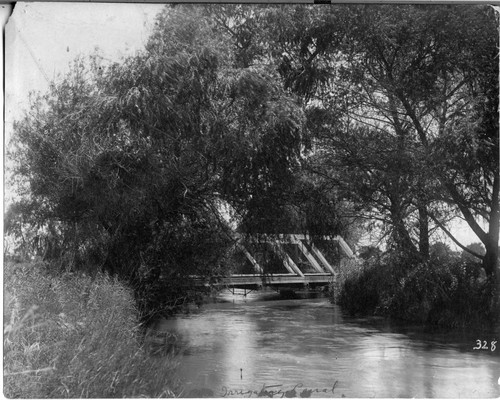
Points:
x=363 y=288
x=359 y=294
x=444 y=291
x=75 y=336
x=447 y=293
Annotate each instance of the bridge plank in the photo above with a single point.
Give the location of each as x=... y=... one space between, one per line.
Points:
x=281 y=279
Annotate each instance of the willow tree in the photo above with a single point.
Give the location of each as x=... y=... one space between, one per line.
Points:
x=126 y=164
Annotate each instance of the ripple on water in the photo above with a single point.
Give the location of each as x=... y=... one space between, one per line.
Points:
x=310 y=342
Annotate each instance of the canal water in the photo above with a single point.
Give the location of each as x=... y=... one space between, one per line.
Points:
x=253 y=346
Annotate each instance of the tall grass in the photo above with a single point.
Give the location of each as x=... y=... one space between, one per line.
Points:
x=73 y=336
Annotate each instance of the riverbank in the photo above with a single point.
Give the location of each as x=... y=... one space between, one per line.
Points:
x=68 y=335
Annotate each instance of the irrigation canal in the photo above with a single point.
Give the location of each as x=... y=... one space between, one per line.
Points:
x=263 y=346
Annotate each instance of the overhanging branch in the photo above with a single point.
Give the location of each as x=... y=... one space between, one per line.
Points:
x=450 y=235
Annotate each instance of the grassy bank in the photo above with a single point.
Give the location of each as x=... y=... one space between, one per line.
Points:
x=439 y=292
x=70 y=335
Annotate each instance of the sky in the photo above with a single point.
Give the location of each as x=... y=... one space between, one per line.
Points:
x=41 y=39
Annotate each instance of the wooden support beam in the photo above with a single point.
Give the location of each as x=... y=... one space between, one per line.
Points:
x=322 y=258
x=280 y=251
x=288 y=260
x=308 y=255
x=345 y=247
x=252 y=260
x=288 y=266
x=277 y=240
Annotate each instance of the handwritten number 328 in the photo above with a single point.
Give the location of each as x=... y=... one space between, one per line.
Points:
x=484 y=346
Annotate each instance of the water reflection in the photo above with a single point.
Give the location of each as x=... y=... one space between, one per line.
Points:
x=239 y=347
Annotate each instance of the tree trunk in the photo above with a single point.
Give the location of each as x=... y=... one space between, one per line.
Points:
x=423 y=227
x=491 y=267
x=423 y=218
x=401 y=236
x=490 y=260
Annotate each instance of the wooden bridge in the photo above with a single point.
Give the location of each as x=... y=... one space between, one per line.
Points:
x=313 y=259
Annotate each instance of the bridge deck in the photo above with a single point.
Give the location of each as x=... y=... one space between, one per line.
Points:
x=248 y=281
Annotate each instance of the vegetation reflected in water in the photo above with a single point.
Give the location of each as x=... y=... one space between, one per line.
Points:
x=237 y=348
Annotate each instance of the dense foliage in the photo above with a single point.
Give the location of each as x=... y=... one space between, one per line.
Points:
x=126 y=166
x=288 y=119
x=444 y=291
x=403 y=118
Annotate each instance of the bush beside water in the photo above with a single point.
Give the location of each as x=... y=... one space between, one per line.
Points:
x=448 y=292
x=71 y=335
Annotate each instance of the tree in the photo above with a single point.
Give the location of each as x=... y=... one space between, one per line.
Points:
x=442 y=252
x=370 y=253
x=305 y=53
x=297 y=201
x=426 y=79
x=474 y=248
x=130 y=161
